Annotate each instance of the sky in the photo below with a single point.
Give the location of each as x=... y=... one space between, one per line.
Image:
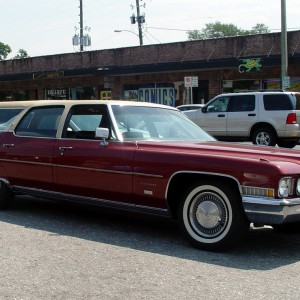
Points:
x=46 y=27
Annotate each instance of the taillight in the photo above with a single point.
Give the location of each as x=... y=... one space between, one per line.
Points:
x=291 y=119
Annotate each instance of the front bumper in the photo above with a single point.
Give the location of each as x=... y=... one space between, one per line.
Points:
x=271 y=211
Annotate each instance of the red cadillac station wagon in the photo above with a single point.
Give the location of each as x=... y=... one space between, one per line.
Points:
x=148 y=158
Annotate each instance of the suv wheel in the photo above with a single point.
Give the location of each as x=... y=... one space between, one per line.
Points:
x=264 y=136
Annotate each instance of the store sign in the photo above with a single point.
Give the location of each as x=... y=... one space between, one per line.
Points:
x=57 y=93
x=165 y=95
x=250 y=64
x=48 y=75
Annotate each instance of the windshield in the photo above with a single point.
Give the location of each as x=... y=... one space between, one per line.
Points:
x=155 y=123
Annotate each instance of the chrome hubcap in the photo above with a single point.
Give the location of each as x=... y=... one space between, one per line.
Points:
x=208 y=214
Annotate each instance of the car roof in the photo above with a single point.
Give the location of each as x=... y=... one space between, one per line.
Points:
x=69 y=103
x=258 y=93
x=17 y=104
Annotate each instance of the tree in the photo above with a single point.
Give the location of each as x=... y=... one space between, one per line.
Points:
x=218 y=30
x=4 y=51
x=260 y=29
x=21 y=54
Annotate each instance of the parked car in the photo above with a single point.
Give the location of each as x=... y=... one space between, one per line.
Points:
x=265 y=118
x=10 y=109
x=185 y=107
x=148 y=158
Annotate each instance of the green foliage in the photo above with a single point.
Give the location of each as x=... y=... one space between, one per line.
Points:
x=219 y=30
x=21 y=54
x=4 y=51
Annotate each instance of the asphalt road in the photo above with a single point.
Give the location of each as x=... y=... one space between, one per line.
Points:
x=53 y=250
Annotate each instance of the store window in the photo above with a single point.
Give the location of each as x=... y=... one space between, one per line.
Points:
x=14 y=95
x=83 y=93
x=232 y=86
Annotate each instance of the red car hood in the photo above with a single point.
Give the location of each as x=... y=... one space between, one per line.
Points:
x=240 y=150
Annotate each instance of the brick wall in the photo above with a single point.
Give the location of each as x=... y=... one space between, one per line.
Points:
x=222 y=48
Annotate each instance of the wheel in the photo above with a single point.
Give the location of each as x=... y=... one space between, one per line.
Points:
x=264 y=136
x=287 y=144
x=6 y=196
x=211 y=216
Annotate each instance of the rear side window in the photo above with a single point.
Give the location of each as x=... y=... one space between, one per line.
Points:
x=296 y=100
x=40 y=122
x=8 y=113
x=242 y=103
x=278 y=102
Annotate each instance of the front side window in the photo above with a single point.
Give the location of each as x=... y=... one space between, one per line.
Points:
x=83 y=120
x=40 y=122
x=218 y=105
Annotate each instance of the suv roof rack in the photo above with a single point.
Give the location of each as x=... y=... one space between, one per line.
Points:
x=261 y=90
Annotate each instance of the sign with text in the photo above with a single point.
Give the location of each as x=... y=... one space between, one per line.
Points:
x=191 y=81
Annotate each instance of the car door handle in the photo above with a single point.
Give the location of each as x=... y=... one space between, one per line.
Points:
x=251 y=115
x=8 y=145
x=63 y=149
x=221 y=116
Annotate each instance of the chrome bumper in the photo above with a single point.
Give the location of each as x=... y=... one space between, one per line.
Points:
x=271 y=211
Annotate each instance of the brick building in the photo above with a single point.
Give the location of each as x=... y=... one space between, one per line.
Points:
x=155 y=72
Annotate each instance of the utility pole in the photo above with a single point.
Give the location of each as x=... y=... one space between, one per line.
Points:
x=81 y=26
x=284 y=55
x=81 y=40
x=139 y=19
x=139 y=22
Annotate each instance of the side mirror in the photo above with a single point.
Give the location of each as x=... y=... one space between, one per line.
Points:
x=204 y=109
x=102 y=133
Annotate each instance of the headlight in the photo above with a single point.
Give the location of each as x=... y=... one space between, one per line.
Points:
x=285 y=187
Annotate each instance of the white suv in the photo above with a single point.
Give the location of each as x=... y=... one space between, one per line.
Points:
x=265 y=118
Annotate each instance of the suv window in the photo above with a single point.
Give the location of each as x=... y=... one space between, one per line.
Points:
x=277 y=102
x=40 y=122
x=296 y=100
x=219 y=105
x=242 y=103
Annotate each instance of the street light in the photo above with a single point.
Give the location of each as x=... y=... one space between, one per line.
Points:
x=119 y=30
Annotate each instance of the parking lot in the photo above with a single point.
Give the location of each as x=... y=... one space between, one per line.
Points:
x=54 y=250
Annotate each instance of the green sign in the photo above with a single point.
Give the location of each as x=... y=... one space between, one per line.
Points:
x=250 y=64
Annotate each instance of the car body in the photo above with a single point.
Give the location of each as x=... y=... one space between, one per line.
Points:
x=10 y=109
x=265 y=118
x=185 y=107
x=148 y=158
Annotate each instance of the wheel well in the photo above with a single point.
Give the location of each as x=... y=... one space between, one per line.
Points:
x=181 y=182
x=262 y=124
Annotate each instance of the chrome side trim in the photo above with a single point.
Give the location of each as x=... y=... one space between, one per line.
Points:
x=81 y=168
x=91 y=201
x=202 y=173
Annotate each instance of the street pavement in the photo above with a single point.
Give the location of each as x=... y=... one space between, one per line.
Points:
x=52 y=250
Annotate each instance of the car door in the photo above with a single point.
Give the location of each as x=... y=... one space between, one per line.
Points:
x=213 y=117
x=86 y=167
x=242 y=114
x=27 y=152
